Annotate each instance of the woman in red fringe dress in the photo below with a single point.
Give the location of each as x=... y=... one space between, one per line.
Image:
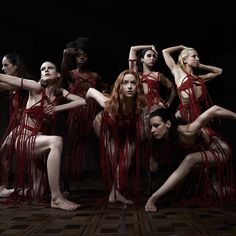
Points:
x=203 y=150
x=191 y=88
x=159 y=91
x=120 y=130
x=81 y=151
x=12 y=64
x=32 y=139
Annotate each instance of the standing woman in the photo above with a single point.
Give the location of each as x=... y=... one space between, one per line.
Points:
x=159 y=92
x=192 y=91
x=204 y=151
x=142 y=59
x=120 y=130
x=80 y=138
x=31 y=135
x=12 y=64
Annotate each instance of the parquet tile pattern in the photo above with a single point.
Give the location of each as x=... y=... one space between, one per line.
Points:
x=113 y=219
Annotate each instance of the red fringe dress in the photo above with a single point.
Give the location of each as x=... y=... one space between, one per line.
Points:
x=118 y=136
x=81 y=136
x=28 y=166
x=18 y=99
x=191 y=110
x=153 y=100
x=207 y=185
x=153 y=89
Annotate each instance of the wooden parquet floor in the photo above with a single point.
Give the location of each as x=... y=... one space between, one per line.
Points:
x=113 y=219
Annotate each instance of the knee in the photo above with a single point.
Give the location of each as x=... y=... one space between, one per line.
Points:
x=56 y=142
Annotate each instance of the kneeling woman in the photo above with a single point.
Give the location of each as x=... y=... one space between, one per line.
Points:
x=203 y=148
x=31 y=138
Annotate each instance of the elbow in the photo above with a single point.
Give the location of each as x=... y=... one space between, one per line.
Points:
x=216 y=108
x=84 y=102
x=220 y=71
x=163 y=51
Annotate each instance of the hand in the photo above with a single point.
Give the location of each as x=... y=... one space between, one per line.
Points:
x=89 y=93
x=154 y=49
x=49 y=109
x=71 y=51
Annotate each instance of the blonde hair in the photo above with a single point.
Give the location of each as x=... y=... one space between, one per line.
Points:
x=183 y=55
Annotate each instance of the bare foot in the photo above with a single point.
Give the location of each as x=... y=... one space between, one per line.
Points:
x=63 y=204
x=119 y=198
x=4 y=192
x=150 y=205
x=23 y=192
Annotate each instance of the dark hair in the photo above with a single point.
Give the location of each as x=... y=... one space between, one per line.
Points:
x=18 y=61
x=165 y=114
x=140 y=55
x=58 y=88
x=84 y=43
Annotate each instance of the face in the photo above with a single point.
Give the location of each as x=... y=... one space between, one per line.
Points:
x=7 y=67
x=159 y=128
x=149 y=58
x=49 y=71
x=192 y=59
x=129 y=85
x=81 y=57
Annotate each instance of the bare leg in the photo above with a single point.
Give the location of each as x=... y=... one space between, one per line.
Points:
x=4 y=192
x=179 y=174
x=54 y=144
x=115 y=195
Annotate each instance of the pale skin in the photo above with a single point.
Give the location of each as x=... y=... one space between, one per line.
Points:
x=52 y=145
x=190 y=62
x=9 y=69
x=188 y=134
x=148 y=61
x=128 y=90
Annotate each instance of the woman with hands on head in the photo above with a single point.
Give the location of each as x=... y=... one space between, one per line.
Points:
x=191 y=88
x=80 y=138
x=159 y=91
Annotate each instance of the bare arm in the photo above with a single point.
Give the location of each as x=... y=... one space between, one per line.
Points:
x=27 y=84
x=171 y=87
x=133 y=54
x=75 y=101
x=65 y=68
x=213 y=112
x=96 y=95
x=170 y=62
x=213 y=71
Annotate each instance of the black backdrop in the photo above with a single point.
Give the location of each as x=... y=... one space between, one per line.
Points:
x=40 y=30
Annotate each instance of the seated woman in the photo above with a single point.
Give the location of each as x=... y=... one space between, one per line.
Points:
x=203 y=148
x=31 y=137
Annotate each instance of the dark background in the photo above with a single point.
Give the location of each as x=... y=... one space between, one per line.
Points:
x=39 y=30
